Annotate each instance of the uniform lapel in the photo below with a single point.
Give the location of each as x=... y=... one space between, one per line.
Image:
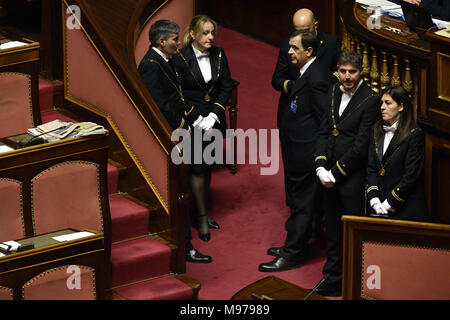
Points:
x=193 y=64
x=214 y=60
x=357 y=97
x=321 y=45
x=379 y=144
x=392 y=146
x=337 y=100
x=165 y=65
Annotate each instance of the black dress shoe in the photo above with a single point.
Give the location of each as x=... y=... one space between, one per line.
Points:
x=328 y=289
x=196 y=257
x=204 y=236
x=212 y=224
x=279 y=264
x=274 y=251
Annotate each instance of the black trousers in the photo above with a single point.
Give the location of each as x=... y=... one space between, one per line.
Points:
x=303 y=189
x=339 y=200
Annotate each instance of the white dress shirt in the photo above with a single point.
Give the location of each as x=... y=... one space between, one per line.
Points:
x=346 y=97
x=389 y=132
x=305 y=67
x=161 y=54
x=204 y=63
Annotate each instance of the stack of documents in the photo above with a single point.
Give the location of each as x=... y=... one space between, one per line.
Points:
x=57 y=130
x=390 y=8
x=12 y=44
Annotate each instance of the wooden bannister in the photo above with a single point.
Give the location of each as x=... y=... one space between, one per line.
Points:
x=108 y=34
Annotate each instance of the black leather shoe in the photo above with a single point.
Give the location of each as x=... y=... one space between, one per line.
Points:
x=279 y=264
x=196 y=257
x=212 y=224
x=329 y=289
x=274 y=251
x=204 y=236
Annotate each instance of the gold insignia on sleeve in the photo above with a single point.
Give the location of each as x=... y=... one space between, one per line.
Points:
x=340 y=168
x=220 y=105
x=397 y=197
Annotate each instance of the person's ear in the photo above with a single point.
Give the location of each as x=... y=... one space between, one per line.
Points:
x=192 y=33
x=401 y=107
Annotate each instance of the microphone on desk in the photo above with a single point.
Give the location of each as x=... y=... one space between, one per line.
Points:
x=33 y=141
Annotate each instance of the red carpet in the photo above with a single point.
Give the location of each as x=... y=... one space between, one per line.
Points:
x=249 y=207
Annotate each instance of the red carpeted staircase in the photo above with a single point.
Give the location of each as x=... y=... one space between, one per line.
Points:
x=140 y=262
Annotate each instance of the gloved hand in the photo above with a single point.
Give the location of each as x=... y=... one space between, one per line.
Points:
x=387 y=206
x=325 y=177
x=208 y=122
x=198 y=121
x=378 y=207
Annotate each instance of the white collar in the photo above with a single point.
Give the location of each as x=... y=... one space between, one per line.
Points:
x=353 y=91
x=394 y=126
x=162 y=54
x=198 y=53
x=305 y=67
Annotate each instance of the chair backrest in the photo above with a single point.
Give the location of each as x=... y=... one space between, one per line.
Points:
x=71 y=282
x=16 y=112
x=6 y=293
x=12 y=223
x=67 y=196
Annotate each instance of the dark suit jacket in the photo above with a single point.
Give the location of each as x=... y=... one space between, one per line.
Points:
x=328 y=52
x=194 y=86
x=301 y=125
x=346 y=153
x=403 y=184
x=165 y=87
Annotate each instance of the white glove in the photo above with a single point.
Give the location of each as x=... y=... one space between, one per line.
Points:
x=325 y=177
x=376 y=205
x=387 y=206
x=196 y=122
x=330 y=176
x=208 y=122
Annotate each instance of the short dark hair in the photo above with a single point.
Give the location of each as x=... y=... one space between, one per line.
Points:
x=162 y=29
x=308 y=39
x=350 y=57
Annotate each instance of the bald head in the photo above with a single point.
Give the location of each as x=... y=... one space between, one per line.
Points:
x=304 y=20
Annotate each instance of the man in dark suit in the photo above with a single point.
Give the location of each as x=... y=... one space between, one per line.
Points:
x=164 y=85
x=341 y=159
x=301 y=123
x=286 y=73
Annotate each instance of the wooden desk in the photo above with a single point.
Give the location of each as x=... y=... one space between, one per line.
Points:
x=273 y=288
x=23 y=165
x=18 y=268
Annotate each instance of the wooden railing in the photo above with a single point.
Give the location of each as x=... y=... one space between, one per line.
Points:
x=419 y=64
x=100 y=55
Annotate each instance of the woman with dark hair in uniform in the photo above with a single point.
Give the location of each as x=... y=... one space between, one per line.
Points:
x=395 y=172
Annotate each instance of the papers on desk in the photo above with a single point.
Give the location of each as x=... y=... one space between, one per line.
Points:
x=12 y=44
x=9 y=246
x=57 y=130
x=5 y=148
x=73 y=236
x=376 y=3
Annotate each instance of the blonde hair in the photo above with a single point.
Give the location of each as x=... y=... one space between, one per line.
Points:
x=196 y=25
